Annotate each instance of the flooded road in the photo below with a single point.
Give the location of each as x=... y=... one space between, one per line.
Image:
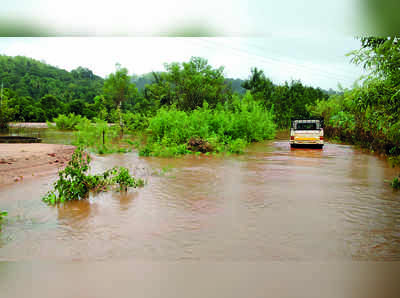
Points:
x=271 y=205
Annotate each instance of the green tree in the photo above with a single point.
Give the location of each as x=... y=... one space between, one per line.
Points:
x=259 y=85
x=189 y=84
x=380 y=55
x=76 y=107
x=30 y=80
x=6 y=113
x=287 y=100
x=118 y=86
x=52 y=106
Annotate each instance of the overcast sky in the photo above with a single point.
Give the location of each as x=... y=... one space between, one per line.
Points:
x=314 y=60
x=288 y=39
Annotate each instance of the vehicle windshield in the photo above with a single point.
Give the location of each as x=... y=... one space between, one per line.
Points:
x=306 y=126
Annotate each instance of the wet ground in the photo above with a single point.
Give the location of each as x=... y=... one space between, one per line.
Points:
x=273 y=210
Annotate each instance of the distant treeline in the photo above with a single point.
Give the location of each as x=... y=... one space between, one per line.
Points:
x=35 y=91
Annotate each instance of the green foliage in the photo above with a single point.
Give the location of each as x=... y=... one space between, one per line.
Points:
x=344 y=120
x=288 y=100
x=237 y=146
x=75 y=183
x=225 y=128
x=2 y=215
x=380 y=55
x=6 y=113
x=188 y=84
x=260 y=86
x=125 y=180
x=40 y=92
x=118 y=86
x=369 y=114
x=35 y=79
x=135 y=121
x=68 y=122
x=396 y=183
x=97 y=135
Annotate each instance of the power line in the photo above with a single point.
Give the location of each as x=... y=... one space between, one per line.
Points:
x=290 y=64
x=324 y=73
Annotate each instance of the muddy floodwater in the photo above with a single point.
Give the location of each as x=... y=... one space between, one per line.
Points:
x=279 y=221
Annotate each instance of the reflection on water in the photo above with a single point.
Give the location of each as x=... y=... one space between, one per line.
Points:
x=270 y=204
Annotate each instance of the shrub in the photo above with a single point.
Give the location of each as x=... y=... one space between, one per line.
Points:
x=96 y=135
x=225 y=128
x=2 y=215
x=68 y=122
x=237 y=146
x=125 y=180
x=135 y=122
x=396 y=183
x=75 y=184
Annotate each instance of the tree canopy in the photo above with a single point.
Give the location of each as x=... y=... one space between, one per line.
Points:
x=189 y=84
x=287 y=100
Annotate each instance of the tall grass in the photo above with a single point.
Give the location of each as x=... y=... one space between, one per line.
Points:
x=97 y=135
x=226 y=128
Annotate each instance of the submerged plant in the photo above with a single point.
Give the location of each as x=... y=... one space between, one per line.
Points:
x=2 y=215
x=396 y=183
x=95 y=135
x=122 y=177
x=75 y=183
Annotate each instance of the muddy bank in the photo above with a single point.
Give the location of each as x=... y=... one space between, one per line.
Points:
x=26 y=161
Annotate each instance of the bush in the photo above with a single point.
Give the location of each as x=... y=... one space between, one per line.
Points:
x=225 y=128
x=237 y=146
x=367 y=115
x=2 y=215
x=135 y=122
x=96 y=135
x=75 y=184
x=396 y=183
x=69 y=122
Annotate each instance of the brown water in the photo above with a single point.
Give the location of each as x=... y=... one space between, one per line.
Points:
x=273 y=214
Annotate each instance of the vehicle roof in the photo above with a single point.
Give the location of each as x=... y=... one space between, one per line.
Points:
x=306 y=120
x=319 y=121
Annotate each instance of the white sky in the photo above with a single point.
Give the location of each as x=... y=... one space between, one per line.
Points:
x=316 y=61
x=227 y=17
x=288 y=39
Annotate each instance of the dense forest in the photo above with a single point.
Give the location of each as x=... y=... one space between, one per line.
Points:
x=37 y=92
